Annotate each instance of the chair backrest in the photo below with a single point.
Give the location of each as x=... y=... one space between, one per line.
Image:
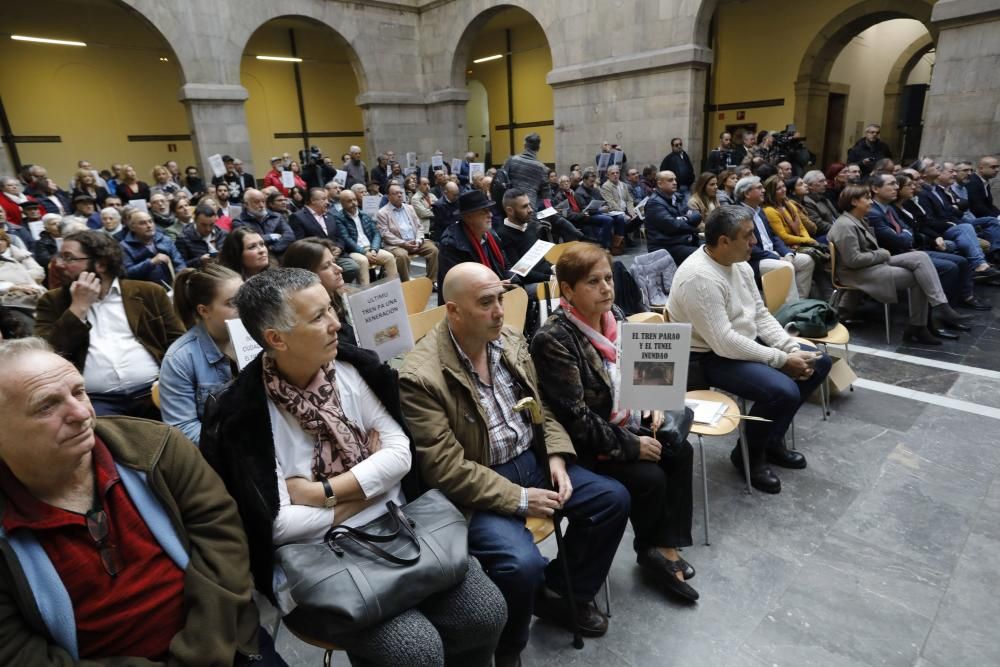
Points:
x=515 y=309
x=416 y=294
x=776 y=285
x=645 y=318
x=556 y=251
x=543 y=305
x=833 y=265
x=421 y=323
x=154 y=394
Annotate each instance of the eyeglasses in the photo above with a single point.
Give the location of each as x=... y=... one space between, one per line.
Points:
x=97 y=526
x=66 y=258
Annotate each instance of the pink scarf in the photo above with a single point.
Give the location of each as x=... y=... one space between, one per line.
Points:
x=604 y=341
x=340 y=443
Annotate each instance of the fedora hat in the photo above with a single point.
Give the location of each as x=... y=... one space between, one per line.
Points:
x=473 y=200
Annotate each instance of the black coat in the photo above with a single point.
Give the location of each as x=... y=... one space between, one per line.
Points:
x=980 y=199
x=236 y=441
x=454 y=248
x=515 y=243
x=680 y=164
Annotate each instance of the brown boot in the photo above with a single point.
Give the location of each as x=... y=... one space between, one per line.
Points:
x=617 y=245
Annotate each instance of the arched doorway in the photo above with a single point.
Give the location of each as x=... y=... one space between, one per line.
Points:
x=818 y=104
x=477 y=118
x=905 y=91
x=302 y=78
x=514 y=58
x=112 y=100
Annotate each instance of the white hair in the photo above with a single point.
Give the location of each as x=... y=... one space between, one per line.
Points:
x=743 y=186
x=353 y=149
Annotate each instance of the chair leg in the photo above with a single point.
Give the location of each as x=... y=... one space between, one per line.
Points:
x=328 y=659
x=888 y=339
x=704 y=485
x=607 y=597
x=792 y=428
x=567 y=579
x=744 y=447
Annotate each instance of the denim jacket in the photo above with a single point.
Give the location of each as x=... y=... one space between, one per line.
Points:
x=193 y=369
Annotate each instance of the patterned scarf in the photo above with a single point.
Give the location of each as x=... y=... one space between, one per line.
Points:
x=340 y=444
x=604 y=342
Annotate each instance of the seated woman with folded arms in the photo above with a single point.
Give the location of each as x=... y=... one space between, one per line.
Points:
x=316 y=255
x=309 y=436
x=202 y=361
x=574 y=353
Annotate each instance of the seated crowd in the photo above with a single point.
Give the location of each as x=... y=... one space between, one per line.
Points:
x=127 y=288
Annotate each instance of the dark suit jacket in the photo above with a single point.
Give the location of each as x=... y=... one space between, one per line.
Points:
x=894 y=241
x=980 y=200
x=150 y=316
x=347 y=232
x=304 y=225
x=667 y=225
x=938 y=205
x=515 y=243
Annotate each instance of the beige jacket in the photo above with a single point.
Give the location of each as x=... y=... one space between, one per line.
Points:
x=387 y=227
x=449 y=426
x=616 y=201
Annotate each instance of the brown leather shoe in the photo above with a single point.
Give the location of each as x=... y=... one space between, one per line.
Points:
x=592 y=622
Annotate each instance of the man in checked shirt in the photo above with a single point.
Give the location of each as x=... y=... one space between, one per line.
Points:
x=458 y=389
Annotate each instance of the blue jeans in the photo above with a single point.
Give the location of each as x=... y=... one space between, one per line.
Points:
x=989 y=229
x=609 y=224
x=775 y=396
x=597 y=511
x=963 y=235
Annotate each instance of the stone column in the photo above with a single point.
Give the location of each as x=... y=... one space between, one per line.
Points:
x=218 y=122
x=811 y=101
x=960 y=113
x=638 y=100
x=412 y=122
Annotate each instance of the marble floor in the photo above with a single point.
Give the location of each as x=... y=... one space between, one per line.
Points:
x=884 y=551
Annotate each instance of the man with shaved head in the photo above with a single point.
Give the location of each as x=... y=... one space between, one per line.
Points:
x=978 y=186
x=459 y=388
x=118 y=543
x=668 y=225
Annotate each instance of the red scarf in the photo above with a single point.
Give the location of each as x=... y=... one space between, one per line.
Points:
x=481 y=253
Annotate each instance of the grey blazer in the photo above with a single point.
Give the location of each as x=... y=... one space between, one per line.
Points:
x=860 y=262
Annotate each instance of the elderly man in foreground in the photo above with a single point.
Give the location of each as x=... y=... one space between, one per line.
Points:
x=119 y=544
x=459 y=387
x=740 y=347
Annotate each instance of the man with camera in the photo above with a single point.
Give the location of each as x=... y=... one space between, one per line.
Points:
x=315 y=172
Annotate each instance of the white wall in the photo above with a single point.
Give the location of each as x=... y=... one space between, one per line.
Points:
x=864 y=65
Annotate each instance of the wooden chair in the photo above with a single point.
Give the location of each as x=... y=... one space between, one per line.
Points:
x=775 y=294
x=645 y=318
x=543 y=303
x=541 y=529
x=154 y=394
x=421 y=323
x=728 y=423
x=556 y=251
x=416 y=294
x=515 y=309
x=839 y=289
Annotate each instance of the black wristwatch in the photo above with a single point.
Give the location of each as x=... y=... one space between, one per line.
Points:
x=331 y=497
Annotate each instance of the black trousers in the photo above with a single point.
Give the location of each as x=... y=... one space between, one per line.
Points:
x=660 y=493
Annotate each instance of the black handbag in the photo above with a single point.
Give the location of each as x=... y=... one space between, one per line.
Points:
x=358 y=577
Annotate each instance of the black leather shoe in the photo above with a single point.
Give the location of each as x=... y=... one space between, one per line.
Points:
x=665 y=571
x=941 y=333
x=507 y=660
x=922 y=335
x=686 y=569
x=957 y=326
x=975 y=303
x=986 y=275
x=786 y=458
x=761 y=476
x=947 y=316
x=556 y=610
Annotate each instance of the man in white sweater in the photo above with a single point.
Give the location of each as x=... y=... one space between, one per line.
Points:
x=740 y=347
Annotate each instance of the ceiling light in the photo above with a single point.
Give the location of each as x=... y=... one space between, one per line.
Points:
x=45 y=40
x=283 y=59
x=164 y=60
x=488 y=58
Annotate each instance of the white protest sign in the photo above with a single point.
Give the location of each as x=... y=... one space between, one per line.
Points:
x=437 y=162
x=341 y=178
x=139 y=205
x=370 y=204
x=652 y=365
x=535 y=253
x=456 y=165
x=640 y=208
x=381 y=323
x=287 y=179
x=246 y=348
x=476 y=168
x=619 y=156
x=36 y=227
x=411 y=160
x=546 y=213
x=217 y=166
x=602 y=161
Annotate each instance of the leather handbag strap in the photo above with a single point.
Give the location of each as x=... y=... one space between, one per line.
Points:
x=366 y=540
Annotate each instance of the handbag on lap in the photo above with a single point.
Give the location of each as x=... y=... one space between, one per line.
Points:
x=358 y=577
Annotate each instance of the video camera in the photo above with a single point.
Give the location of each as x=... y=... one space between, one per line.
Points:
x=788 y=145
x=312 y=156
